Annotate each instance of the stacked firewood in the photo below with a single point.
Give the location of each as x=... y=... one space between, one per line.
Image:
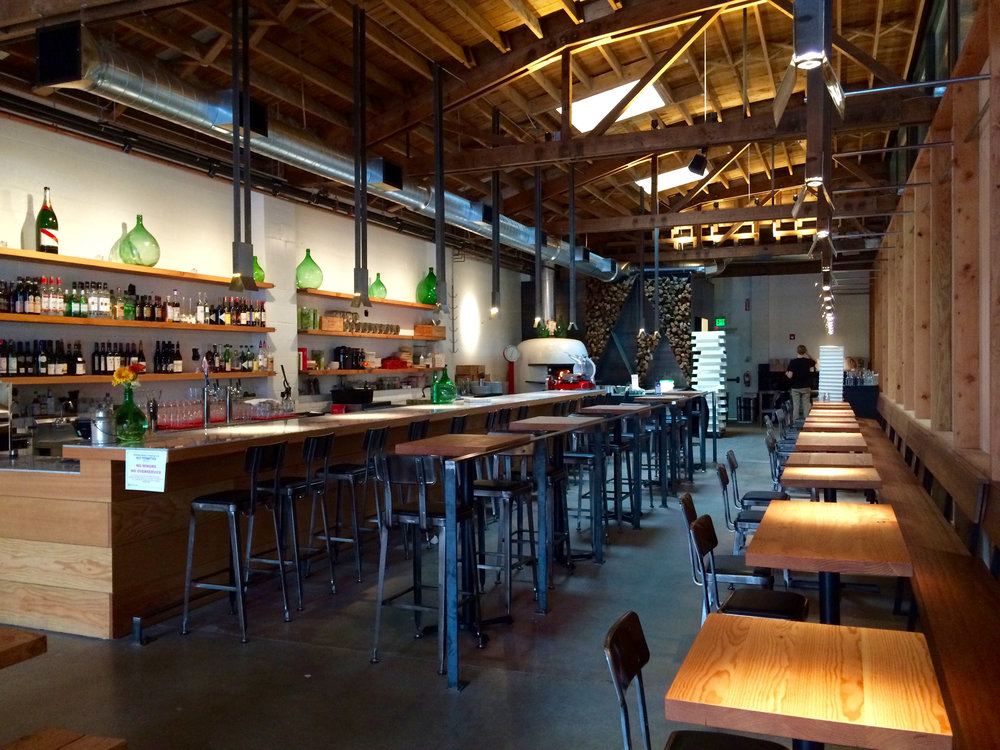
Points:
x=675 y=316
x=646 y=344
x=604 y=304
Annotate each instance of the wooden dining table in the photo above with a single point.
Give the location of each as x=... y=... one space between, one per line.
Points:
x=830 y=539
x=807 y=458
x=862 y=687
x=17 y=645
x=829 y=479
x=831 y=442
x=830 y=425
x=458 y=452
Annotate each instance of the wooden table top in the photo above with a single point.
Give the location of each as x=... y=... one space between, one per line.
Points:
x=17 y=645
x=831 y=442
x=462 y=444
x=553 y=424
x=854 y=538
x=830 y=405
x=805 y=458
x=617 y=410
x=829 y=425
x=865 y=687
x=670 y=396
x=832 y=477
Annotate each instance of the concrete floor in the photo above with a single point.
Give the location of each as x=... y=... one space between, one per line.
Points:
x=541 y=682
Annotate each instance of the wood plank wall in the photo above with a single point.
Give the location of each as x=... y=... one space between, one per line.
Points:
x=936 y=289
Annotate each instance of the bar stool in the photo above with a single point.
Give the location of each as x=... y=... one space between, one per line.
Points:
x=745 y=522
x=263 y=469
x=396 y=475
x=514 y=492
x=316 y=458
x=752 y=498
x=457 y=425
x=354 y=475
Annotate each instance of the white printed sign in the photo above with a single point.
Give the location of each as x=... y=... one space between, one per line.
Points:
x=145 y=469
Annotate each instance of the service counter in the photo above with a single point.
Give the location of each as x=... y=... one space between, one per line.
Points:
x=81 y=554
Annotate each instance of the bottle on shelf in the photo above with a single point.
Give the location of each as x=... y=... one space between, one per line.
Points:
x=47 y=227
x=80 y=362
x=178 y=360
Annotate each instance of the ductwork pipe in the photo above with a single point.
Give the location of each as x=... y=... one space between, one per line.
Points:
x=120 y=77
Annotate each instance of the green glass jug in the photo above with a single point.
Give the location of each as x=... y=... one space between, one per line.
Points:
x=308 y=275
x=145 y=246
x=258 y=272
x=376 y=290
x=427 y=289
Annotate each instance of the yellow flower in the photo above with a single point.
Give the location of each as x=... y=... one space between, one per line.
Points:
x=127 y=374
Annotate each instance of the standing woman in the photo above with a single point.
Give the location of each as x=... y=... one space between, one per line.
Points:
x=800 y=371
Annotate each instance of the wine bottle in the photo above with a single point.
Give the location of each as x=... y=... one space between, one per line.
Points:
x=47 y=227
x=81 y=363
x=178 y=359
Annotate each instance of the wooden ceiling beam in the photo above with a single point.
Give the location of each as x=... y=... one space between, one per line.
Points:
x=760 y=155
x=727 y=50
x=860 y=172
x=570 y=9
x=611 y=59
x=585 y=174
x=736 y=252
x=475 y=19
x=875 y=36
x=547 y=86
x=343 y=12
x=708 y=178
x=419 y=22
x=21 y=18
x=527 y=15
x=586 y=80
x=206 y=56
x=639 y=17
x=883 y=112
x=854 y=52
x=665 y=60
x=662 y=87
x=763 y=46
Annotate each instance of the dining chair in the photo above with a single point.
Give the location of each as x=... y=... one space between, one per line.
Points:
x=780 y=605
x=627 y=653
x=262 y=465
x=743 y=522
x=729 y=569
x=403 y=482
x=752 y=498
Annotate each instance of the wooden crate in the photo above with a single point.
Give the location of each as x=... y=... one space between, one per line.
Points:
x=429 y=332
x=330 y=323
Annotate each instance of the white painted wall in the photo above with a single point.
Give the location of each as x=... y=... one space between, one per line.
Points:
x=95 y=189
x=779 y=307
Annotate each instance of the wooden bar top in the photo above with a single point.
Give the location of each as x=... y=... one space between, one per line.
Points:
x=832 y=477
x=853 y=538
x=864 y=687
x=831 y=442
x=671 y=397
x=805 y=458
x=463 y=444
x=831 y=405
x=17 y=645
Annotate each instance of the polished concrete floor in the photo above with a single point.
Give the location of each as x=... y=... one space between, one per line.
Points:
x=540 y=682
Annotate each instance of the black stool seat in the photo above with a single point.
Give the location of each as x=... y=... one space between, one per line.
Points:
x=781 y=605
x=687 y=739
x=762 y=497
x=497 y=487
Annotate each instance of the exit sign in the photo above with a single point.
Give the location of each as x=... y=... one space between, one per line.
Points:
x=720 y=322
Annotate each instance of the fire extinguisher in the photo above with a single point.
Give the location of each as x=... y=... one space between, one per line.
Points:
x=746 y=378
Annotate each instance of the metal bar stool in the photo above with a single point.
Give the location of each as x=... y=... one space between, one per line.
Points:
x=316 y=457
x=263 y=468
x=397 y=475
x=354 y=476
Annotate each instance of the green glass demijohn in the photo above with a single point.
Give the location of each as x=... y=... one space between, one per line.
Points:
x=122 y=251
x=308 y=275
x=376 y=290
x=258 y=272
x=130 y=420
x=146 y=248
x=443 y=390
x=427 y=289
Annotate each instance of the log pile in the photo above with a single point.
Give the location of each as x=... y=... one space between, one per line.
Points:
x=675 y=316
x=604 y=305
x=645 y=345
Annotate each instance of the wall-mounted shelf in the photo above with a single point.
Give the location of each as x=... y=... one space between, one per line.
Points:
x=376 y=371
x=50 y=259
x=347 y=296
x=115 y=323
x=352 y=334
x=146 y=377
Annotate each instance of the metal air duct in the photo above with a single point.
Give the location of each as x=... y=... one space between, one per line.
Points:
x=120 y=77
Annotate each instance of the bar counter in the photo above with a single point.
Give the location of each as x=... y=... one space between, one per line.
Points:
x=81 y=554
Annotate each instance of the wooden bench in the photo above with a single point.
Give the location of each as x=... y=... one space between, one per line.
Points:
x=17 y=645
x=957 y=598
x=51 y=738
